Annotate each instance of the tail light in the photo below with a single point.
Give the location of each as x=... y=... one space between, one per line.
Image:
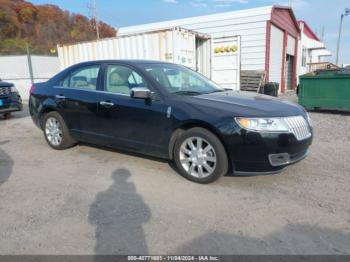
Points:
x=32 y=89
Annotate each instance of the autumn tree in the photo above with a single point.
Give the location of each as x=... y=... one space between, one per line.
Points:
x=42 y=27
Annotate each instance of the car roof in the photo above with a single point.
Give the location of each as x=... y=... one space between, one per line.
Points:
x=133 y=62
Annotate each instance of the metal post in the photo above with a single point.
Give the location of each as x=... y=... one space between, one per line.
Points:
x=93 y=14
x=339 y=38
x=30 y=66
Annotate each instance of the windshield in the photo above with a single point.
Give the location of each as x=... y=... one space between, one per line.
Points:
x=180 y=80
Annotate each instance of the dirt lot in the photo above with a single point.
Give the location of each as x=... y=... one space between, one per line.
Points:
x=89 y=200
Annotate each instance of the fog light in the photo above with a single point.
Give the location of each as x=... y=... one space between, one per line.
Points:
x=279 y=159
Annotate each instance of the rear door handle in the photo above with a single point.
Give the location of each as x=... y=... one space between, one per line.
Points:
x=106 y=104
x=60 y=97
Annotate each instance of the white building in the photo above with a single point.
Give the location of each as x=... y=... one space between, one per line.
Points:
x=313 y=51
x=268 y=36
x=261 y=39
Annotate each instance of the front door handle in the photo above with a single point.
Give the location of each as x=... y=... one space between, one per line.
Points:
x=60 y=97
x=106 y=104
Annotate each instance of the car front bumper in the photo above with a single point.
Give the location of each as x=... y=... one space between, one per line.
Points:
x=10 y=104
x=265 y=153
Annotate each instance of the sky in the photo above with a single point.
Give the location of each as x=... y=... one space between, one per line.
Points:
x=120 y=13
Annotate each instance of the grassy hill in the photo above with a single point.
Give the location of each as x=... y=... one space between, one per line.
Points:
x=42 y=27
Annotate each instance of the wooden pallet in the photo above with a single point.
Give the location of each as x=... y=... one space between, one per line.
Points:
x=252 y=80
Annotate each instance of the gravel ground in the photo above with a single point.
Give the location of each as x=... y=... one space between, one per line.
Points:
x=88 y=200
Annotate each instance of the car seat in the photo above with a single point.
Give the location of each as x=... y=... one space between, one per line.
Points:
x=80 y=81
x=118 y=83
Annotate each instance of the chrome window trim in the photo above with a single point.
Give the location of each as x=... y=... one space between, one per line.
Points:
x=91 y=90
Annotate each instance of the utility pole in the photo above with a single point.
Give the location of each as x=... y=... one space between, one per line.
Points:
x=30 y=66
x=347 y=12
x=93 y=15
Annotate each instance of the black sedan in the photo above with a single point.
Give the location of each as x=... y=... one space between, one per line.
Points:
x=10 y=100
x=172 y=112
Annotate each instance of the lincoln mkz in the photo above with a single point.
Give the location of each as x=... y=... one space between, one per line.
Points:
x=169 y=111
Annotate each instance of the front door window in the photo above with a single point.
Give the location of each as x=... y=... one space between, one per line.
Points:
x=120 y=80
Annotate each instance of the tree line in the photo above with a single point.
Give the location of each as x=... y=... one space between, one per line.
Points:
x=42 y=27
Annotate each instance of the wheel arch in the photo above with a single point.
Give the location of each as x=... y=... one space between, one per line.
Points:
x=191 y=124
x=43 y=112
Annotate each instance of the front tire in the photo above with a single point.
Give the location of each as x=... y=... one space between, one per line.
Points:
x=7 y=116
x=56 y=132
x=200 y=156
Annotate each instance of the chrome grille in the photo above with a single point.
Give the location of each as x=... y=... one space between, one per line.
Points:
x=299 y=127
x=5 y=91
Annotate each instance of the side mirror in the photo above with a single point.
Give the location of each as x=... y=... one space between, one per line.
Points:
x=141 y=93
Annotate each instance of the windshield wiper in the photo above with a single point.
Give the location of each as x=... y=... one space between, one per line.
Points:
x=217 y=91
x=188 y=92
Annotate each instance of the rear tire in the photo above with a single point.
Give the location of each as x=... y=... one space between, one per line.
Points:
x=56 y=132
x=7 y=116
x=200 y=156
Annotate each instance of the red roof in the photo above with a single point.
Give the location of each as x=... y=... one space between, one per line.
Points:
x=308 y=32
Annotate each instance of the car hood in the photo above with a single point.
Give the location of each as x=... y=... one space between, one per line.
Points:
x=5 y=84
x=248 y=104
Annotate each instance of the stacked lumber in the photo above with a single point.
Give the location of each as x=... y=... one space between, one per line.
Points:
x=252 y=81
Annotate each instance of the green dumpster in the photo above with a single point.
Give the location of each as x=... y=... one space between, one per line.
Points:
x=325 y=89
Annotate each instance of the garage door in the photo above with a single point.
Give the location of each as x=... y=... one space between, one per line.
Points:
x=225 y=62
x=289 y=71
x=291 y=45
x=276 y=54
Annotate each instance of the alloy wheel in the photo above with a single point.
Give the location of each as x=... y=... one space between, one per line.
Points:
x=198 y=157
x=53 y=131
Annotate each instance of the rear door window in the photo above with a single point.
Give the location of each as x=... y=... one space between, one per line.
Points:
x=82 y=78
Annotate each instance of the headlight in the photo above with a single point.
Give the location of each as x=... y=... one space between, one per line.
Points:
x=14 y=89
x=263 y=124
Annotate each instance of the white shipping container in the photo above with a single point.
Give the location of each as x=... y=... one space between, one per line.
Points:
x=176 y=45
